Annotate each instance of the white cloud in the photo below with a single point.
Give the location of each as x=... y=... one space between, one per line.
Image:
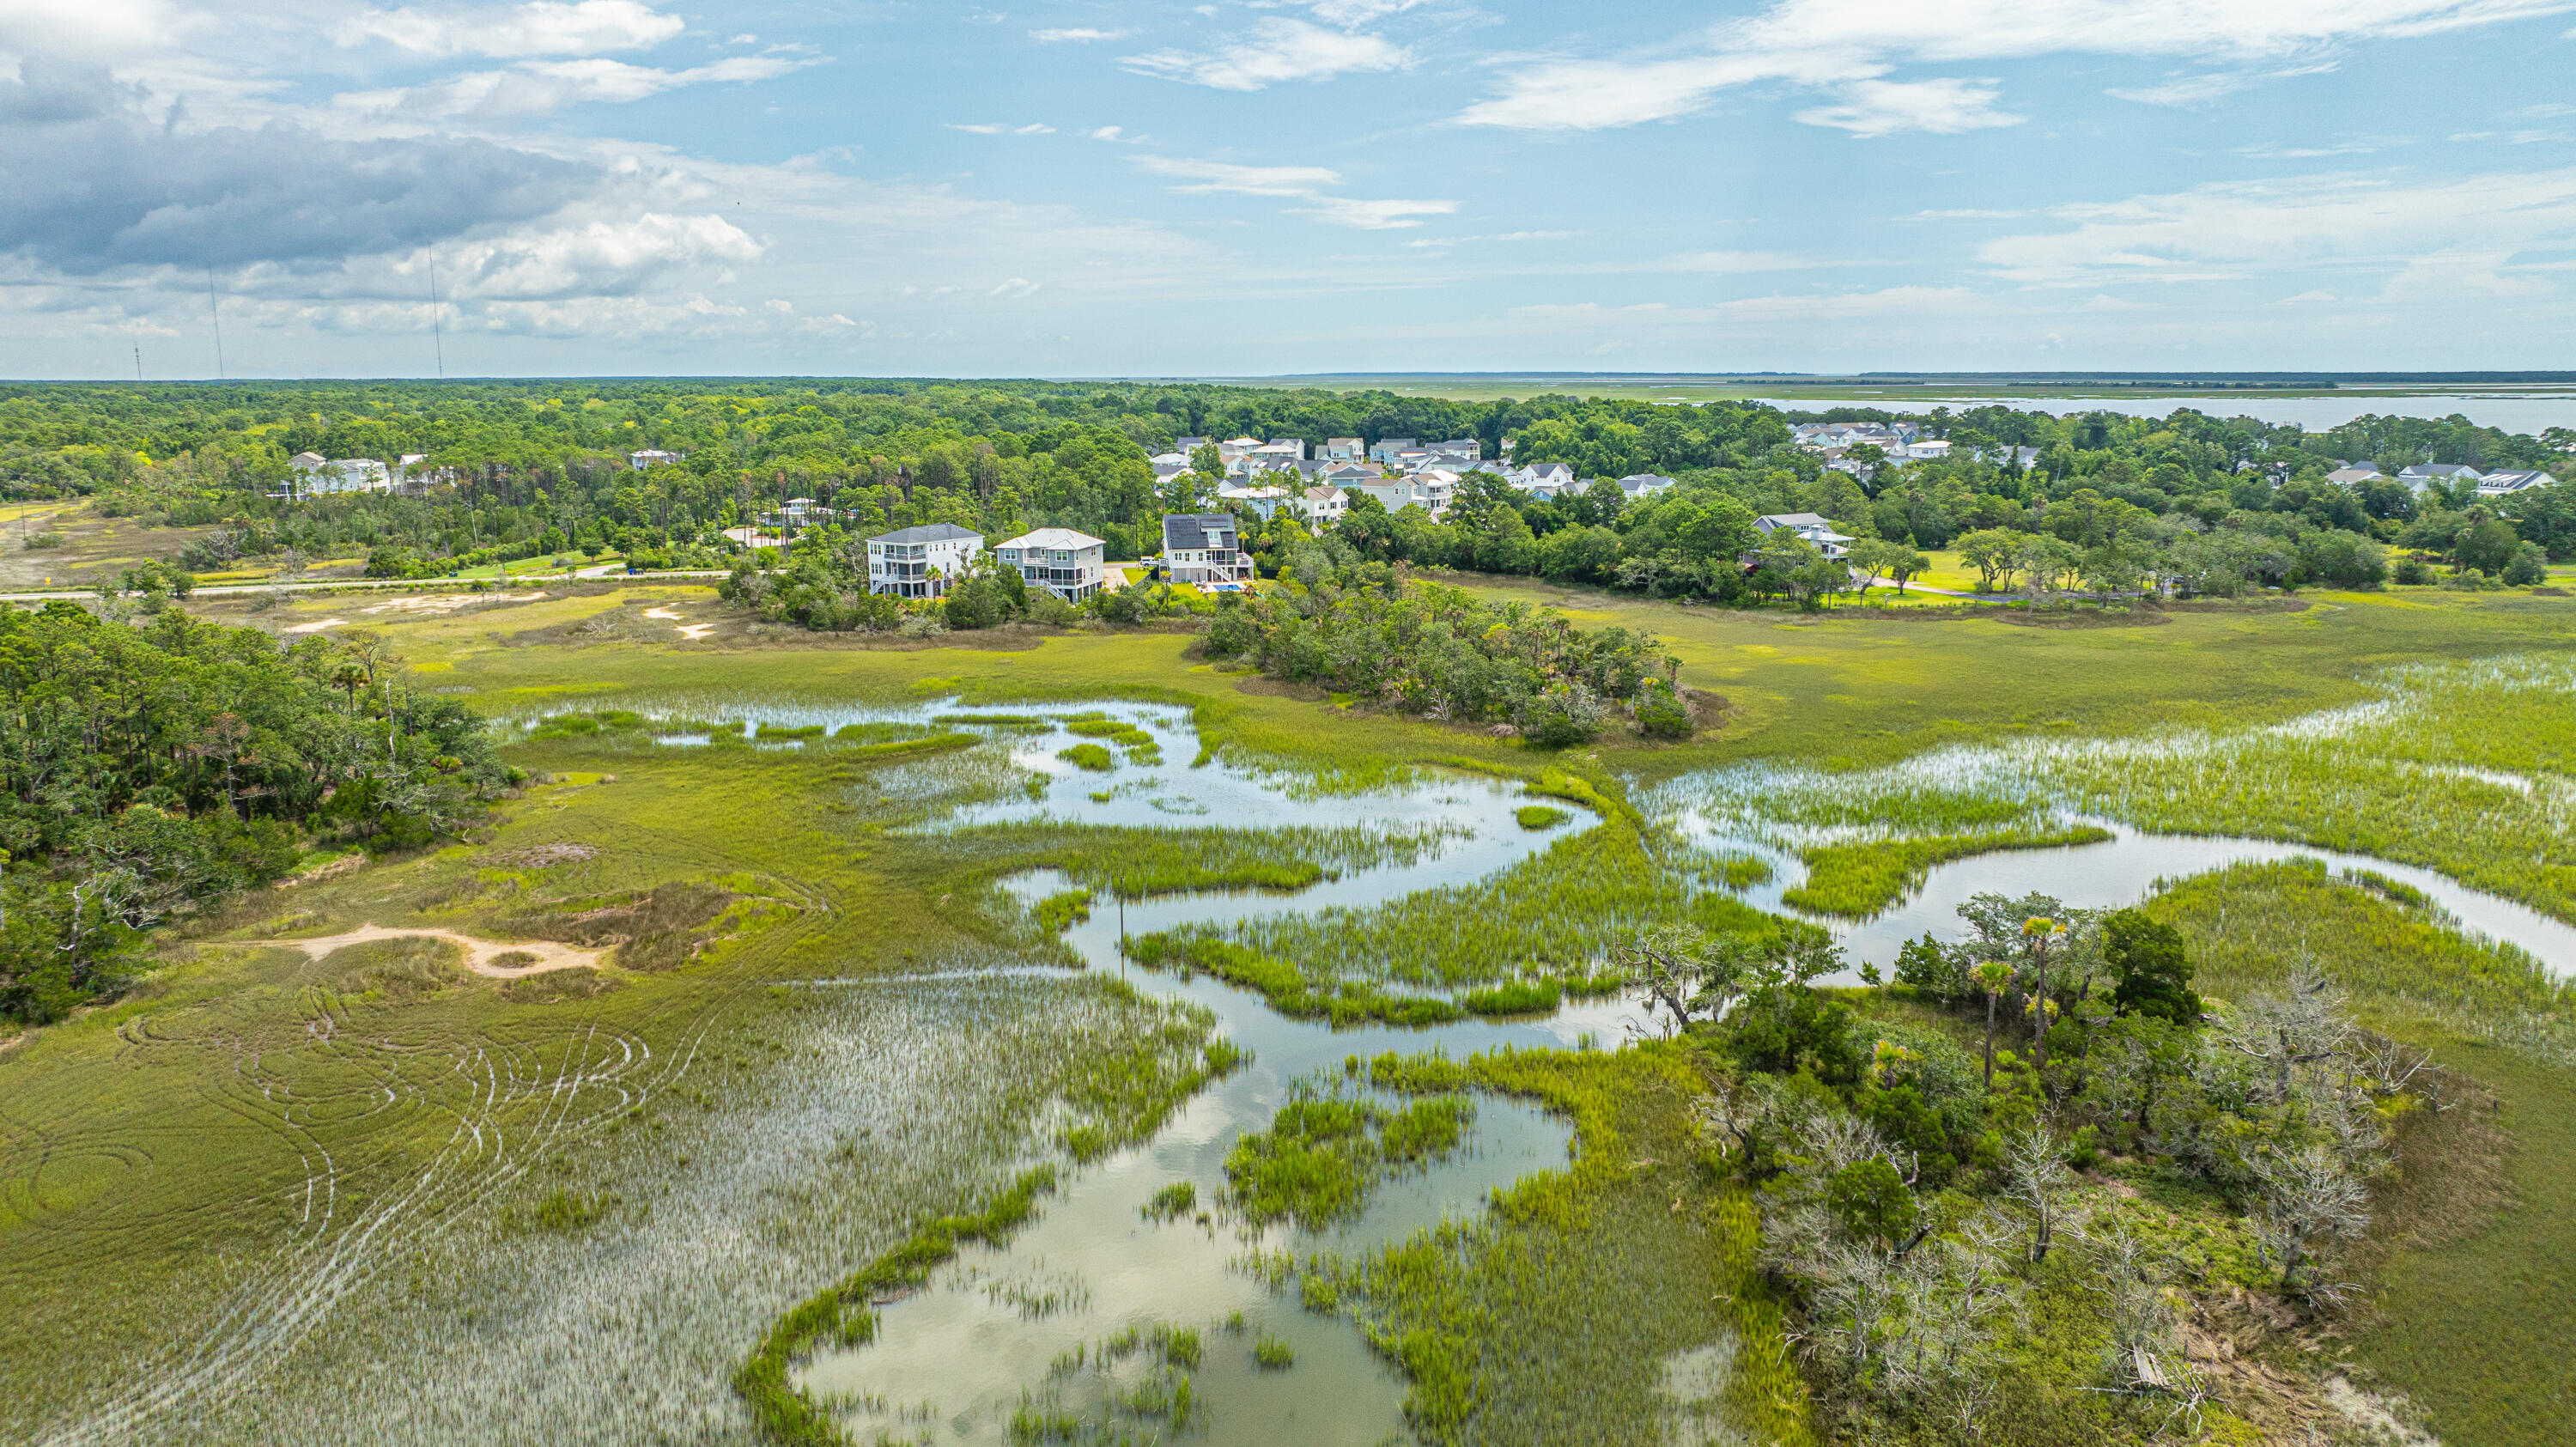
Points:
x=1277 y=52
x=1076 y=35
x=2193 y=90
x=540 y=87
x=1304 y=183
x=1822 y=43
x=599 y=258
x=1374 y=215
x=1885 y=107
x=2308 y=296
x=2464 y=228
x=1213 y=176
x=1016 y=287
x=1726 y=263
x=1360 y=12
x=543 y=27
x=999 y=128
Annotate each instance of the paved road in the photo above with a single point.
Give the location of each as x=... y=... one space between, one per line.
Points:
x=218 y=590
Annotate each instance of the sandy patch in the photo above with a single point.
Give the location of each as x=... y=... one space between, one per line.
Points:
x=315 y=627
x=441 y=604
x=479 y=953
x=689 y=632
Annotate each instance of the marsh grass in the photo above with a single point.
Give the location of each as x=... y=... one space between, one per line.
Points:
x=1540 y=816
x=1324 y=1150
x=1856 y=881
x=410 y=968
x=1060 y=912
x=1136 y=863
x=1089 y=756
x=1555 y=913
x=1546 y=1320
x=2459 y=767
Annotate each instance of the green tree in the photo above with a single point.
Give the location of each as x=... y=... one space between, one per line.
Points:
x=2151 y=967
x=1996 y=555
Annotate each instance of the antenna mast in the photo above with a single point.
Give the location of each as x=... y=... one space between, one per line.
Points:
x=436 y=338
x=216 y=306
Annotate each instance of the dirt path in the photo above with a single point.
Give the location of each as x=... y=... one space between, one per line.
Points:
x=479 y=953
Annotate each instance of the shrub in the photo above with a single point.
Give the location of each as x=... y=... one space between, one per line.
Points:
x=2529 y=566
x=1661 y=714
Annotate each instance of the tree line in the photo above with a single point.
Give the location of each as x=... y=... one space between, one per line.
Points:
x=151 y=768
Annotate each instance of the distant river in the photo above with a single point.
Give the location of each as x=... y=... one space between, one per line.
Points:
x=2528 y=412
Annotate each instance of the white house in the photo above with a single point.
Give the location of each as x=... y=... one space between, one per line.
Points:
x=1463 y=449
x=2424 y=474
x=1388 y=449
x=920 y=562
x=1542 y=477
x=651 y=458
x=2502 y=484
x=1395 y=494
x=2354 y=476
x=1811 y=526
x=1343 y=449
x=1204 y=547
x=1060 y=560
x=1323 y=507
x=343 y=474
x=1646 y=484
x=1263 y=500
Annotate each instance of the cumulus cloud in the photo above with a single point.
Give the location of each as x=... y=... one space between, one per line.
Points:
x=1278 y=51
x=1885 y=107
x=597 y=258
x=1836 y=42
x=541 y=87
x=543 y=27
x=95 y=185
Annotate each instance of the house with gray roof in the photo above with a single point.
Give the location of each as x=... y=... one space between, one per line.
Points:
x=921 y=562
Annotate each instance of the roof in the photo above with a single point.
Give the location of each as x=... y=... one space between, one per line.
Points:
x=1793 y=520
x=1322 y=494
x=1192 y=529
x=927 y=533
x=1055 y=539
x=305 y=459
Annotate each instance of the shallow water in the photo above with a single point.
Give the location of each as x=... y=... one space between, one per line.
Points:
x=2117 y=872
x=955 y=1361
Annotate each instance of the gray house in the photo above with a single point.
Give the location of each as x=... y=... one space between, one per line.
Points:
x=920 y=562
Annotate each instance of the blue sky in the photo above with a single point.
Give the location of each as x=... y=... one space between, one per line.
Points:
x=1118 y=187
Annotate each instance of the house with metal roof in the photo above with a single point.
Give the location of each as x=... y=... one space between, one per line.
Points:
x=1066 y=563
x=921 y=562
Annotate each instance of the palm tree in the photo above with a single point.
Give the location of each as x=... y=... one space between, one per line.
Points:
x=2037 y=934
x=1992 y=975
